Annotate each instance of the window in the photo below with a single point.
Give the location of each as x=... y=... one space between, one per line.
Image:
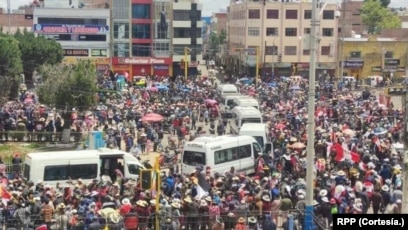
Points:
x=120 y=30
x=254 y=14
x=328 y=14
x=141 y=50
x=291 y=14
x=272 y=14
x=253 y=31
x=26 y=172
x=232 y=154
x=162 y=30
x=271 y=31
x=120 y=9
x=357 y=12
x=64 y=172
x=355 y=54
x=257 y=148
x=99 y=52
x=271 y=50
x=86 y=171
x=141 y=31
x=141 y=11
x=306 y=31
x=327 y=32
x=161 y=49
x=290 y=50
x=185 y=32
x=133 y=169
x=307 y=14
x=290 y=32
x=194 y=158
x=389 y=54
x=325 y=50
x=181 y=15
x=121 y=50
x=250 y=120
x=306 y=52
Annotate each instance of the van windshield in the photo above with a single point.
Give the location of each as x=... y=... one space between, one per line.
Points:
x=250 y=120
x=260 y=140
x=193 y=158
x=230 y=102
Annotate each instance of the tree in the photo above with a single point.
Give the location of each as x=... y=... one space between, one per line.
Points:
x=36 y=51
x=10 y=67
x=68 y=86
x=376 y=17
x=384 y=3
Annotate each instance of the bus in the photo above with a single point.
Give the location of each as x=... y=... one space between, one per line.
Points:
x=242 y=115
x=221 y=153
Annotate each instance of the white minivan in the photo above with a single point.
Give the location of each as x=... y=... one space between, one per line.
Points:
x=259 y=131
x=59 y=167
x=225 y=89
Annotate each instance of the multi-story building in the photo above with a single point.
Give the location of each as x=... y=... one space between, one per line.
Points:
x=217 y=27
x=280 y=31
x=187 y=28
x=373 y=56
x=82 y=33
x=20 y=20
x=350 y=21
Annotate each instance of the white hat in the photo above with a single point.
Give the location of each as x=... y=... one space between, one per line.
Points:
x=341 y=173
x=324 y=199
x=385 y=188
x=301 y=196
x=125 y=201
x=399 y=201
x=266 y=198
x=203 y=203
x=323 y=192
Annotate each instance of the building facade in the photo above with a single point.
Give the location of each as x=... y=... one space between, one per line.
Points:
x=280 y=31
x=363 y=57
x=187 y=34
x=82 y=33
x=21 y=20
x=351 y=22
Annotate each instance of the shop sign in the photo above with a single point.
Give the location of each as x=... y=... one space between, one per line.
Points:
x=76 y=52
x=353 y=64
x=390 y=61
x=390 y=69
x=401 y=69
x=376 y=69
x=141 y=61
x=70 y=29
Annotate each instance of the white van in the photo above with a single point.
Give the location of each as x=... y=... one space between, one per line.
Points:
x=227 y=103
x=259 y=131
x=227 y=89
x=242 y=115
x=59 y=167
x=246 y=102
x=221 y=153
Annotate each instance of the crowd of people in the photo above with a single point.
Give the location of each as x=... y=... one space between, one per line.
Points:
x=357 y=164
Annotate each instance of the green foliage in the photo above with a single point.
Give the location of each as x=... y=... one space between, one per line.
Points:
x=36 y=51
x=376 y=17
x=384 y=3
x=10 y=67
x=69 y=86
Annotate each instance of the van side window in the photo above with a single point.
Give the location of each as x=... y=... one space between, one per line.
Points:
x=257 y=148
x=88 y=171
x=232 y=154
x=57 y=172
x=133 y=169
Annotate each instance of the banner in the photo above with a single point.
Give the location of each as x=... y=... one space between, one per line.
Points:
x=69 y=29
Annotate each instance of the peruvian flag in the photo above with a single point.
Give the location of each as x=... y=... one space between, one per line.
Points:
x=355 y=157
x=338 y=148
x=320 y=164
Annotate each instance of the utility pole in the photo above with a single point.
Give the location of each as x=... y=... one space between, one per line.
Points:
x=9 y=16
x=343 y=29
x=311 y=121
x=186 y=49
x=257 y=65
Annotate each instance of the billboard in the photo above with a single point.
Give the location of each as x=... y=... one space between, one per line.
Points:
x=69 y=29
x=61 y=3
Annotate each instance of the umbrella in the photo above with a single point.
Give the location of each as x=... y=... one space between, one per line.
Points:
x=162 y=87
x=297 y=145
x=152 y=117
x=244 y=79
x=348 y=132
x=280 y=126
x=380 y=131
x=296 y=87
x=210 y=101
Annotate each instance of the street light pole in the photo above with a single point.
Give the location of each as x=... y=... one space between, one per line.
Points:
x=257 y=65
x=185 y=63
x=311 y=121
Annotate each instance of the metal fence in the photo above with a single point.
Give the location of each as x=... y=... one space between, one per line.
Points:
x=284 y=220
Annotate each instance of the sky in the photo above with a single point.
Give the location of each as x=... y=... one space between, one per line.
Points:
x=209 y=6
